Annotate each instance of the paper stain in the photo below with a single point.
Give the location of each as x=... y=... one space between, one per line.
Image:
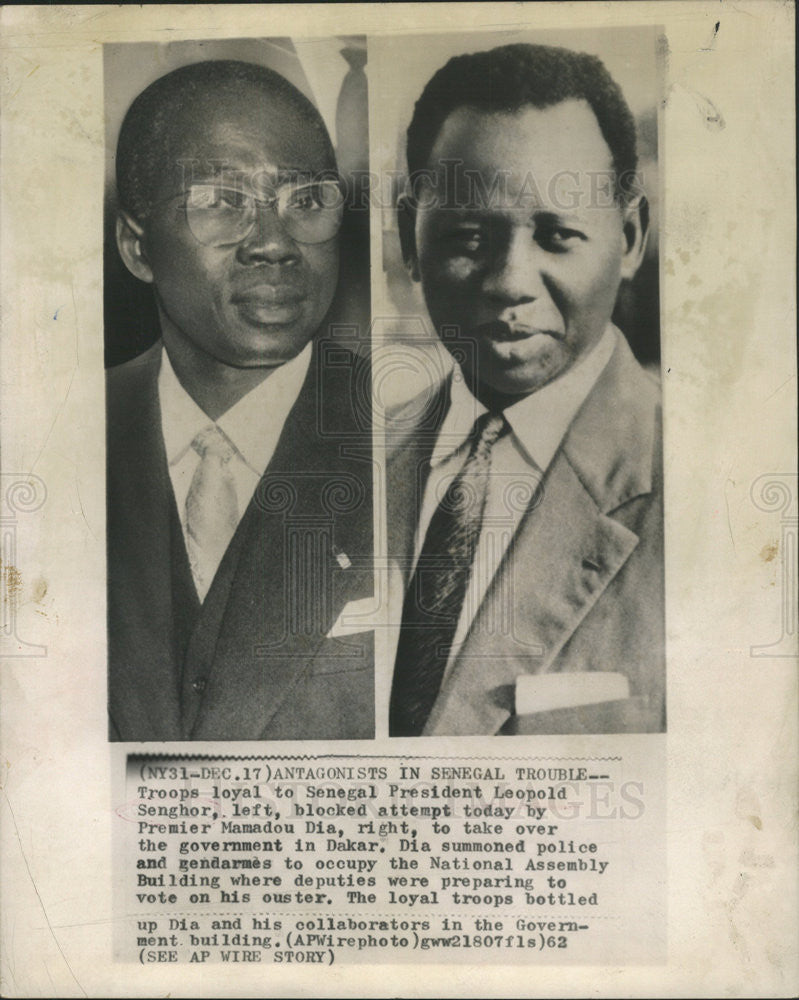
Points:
x=747 y=808
x=12 y=580
x=750 y=859
x=711 y=115
x=11 y=583
x=713 y=39
x=769 y=552
x=714 y=119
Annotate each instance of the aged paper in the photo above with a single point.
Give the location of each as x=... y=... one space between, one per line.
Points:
x=685 y=837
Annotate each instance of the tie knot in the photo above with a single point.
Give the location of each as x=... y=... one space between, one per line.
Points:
x=487 y=428
x=212 y=442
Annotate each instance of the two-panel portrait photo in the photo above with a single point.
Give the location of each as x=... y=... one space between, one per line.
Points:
x=398 y=541
x=383 y=421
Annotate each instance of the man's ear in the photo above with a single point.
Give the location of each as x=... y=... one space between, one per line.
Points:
x=635 y=223
x=129 y=240
x=406 y=219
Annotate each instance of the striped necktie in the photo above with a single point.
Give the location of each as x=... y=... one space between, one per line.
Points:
x=436 y=592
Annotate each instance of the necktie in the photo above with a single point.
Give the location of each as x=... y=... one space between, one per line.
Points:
x=435 y=596
x=212 y=512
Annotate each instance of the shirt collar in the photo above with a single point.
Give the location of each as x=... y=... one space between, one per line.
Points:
x=539 y=422
x=253 y=424
x=457 y=425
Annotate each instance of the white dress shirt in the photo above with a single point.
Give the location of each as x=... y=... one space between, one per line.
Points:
x=519 y=459
x=253 y=426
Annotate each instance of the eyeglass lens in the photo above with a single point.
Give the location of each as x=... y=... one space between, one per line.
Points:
x=218 y=216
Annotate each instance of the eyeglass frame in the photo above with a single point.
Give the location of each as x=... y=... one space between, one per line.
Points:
x=270 y=202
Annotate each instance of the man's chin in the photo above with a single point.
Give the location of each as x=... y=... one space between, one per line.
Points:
x=266 y=349
x=523 y=377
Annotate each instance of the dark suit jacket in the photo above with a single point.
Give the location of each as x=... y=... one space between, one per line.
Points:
x=583 y=577
x=255 y=660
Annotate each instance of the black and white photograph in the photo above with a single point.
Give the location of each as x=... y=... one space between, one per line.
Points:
x=238 y=396
x=379 y=380
x=525 y=486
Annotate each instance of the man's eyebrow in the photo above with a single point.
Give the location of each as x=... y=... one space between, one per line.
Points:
x=548 y=215
x=236 y=176
x=545 y=216
x=281 y=174
x=293 y=173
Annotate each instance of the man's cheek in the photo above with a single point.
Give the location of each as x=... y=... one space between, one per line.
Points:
x=606 y=277
x=583 y=287
x=323 y=262
x=459 y=270
x=440 y=269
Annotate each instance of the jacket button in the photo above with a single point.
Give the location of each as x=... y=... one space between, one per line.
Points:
x=199 y=685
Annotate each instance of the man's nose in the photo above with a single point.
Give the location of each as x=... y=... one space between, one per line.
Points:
x=515 y=274
x=268 y=241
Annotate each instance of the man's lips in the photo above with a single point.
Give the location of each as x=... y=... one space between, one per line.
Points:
x=269 y=305
x=502 y=332
x=267 y=296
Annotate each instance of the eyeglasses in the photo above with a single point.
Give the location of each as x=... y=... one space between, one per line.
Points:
x=219 y=216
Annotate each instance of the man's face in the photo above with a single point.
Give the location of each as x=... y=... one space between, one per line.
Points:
x=520 y=245
x=258 y=302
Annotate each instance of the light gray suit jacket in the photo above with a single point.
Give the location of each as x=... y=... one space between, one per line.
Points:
x=583 y=577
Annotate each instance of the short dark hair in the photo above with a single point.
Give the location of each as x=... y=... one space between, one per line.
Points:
x=145 y=139
x=511 y=77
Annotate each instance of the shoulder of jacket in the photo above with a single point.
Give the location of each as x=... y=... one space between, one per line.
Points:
x=417 y=417
x=138 y=367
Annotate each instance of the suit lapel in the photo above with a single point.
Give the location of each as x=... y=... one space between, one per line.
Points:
x=143 y=676
x=565 y=553
x=284 y=587
x=407 y=473
x=408 y=467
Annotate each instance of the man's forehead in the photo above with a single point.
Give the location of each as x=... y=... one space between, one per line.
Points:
x=551 y=158
x=252 y=128
x=562 y=135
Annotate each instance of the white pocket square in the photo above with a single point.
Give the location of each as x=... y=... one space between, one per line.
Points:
x=356 y=616
x=547 y=692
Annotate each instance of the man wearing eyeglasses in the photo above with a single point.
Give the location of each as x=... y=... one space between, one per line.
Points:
x=239 y=500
